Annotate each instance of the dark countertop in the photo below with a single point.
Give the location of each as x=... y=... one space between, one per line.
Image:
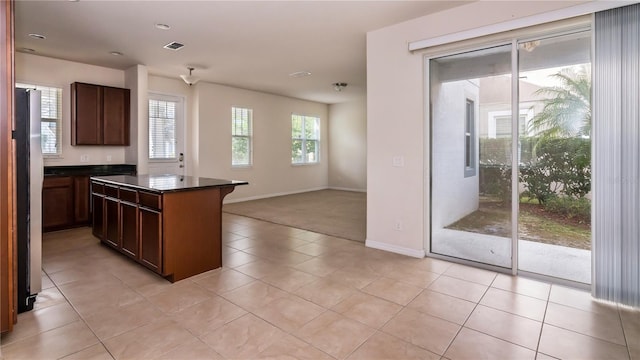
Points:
x=165 y=183
x=91 y=170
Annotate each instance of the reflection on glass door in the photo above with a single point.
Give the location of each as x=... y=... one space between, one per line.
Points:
x=470 y=96
x=554 y=217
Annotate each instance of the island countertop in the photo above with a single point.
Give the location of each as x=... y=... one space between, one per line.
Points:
x=167 y=183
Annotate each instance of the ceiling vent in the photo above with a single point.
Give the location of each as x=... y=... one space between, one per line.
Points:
x=175 y=46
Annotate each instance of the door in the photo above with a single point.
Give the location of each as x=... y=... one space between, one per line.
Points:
x=166 y=135
x=511 y=156
x=471 y=160
x=554 y=221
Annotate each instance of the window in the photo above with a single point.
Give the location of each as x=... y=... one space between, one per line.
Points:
x=469 y=140
x=305 y=139
x=241 y=136
x=51 y=118
x=162 y=129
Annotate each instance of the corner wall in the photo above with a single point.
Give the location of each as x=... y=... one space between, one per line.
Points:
x=348 y=145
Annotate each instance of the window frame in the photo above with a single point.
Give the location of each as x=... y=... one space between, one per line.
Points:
x=249 y=137
x=57 y=121
x=177 y=125
x=304 y=139
x=470 y=161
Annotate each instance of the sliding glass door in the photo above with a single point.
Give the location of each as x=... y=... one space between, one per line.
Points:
x=554 y=220
x=491 y=134
x=471 y=156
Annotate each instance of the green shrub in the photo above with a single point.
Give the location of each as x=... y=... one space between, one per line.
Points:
x=572 y=208
x=560 y=166
x=495 y=179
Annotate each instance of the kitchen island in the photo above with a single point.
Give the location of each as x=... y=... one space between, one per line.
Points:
x=169 y=223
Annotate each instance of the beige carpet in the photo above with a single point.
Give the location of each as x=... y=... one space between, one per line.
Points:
x=332 y=212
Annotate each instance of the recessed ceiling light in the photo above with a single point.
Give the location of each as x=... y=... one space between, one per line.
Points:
x=298 y=74
x=24 y=49
x=37 y=36
x=115 y=53
x=163 y=26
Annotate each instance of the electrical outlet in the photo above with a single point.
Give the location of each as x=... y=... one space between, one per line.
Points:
x=398 y=161
x=398 y=225
x=109 y=158
x=84 y=158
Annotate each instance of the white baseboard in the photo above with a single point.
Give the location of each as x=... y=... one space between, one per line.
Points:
x=346 y=189
x=395 y=249
x=258 y=197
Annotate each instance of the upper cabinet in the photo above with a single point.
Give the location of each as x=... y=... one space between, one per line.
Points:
x=99 y=115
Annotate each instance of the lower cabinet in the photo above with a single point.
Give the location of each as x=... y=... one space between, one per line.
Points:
x=176 y=234
x=57 y=202
x=129 y=221
x=65 y=202
x=129 y=229
x=112 y=220
x=151 y=238
x=98 y=215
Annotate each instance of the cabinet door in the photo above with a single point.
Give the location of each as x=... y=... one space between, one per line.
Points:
x=86 y=109
x=98 y=216
x=129 y=229
x=115 y=116
x=151 y=239
x=81 y=199
x=57 y=202
x=111 y=218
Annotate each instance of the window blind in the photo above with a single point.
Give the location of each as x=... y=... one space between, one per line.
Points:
x=162 y=130
x=241 y=136
x=51 y=118
x=616 y=160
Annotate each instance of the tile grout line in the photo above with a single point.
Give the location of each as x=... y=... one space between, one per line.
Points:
x=81 y=318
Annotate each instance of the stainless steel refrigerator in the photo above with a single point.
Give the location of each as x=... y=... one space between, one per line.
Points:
x=29 y=178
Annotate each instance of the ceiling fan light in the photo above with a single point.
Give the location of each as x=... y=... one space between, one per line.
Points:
x=190 y=79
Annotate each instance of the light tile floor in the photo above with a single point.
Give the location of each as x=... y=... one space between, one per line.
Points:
x=290 y=293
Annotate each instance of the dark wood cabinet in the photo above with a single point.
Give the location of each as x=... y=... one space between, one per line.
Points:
x=85 y=114
x=129 y=229
x=81 y=193
x=112 y=217
x=65 y=202
x=177 y=234
x=98 y=215
x=151 y=239
x=57 y=202
x=99 y=115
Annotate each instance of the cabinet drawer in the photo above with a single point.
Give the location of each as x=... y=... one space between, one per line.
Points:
x=128 y=195
x=57 y=181
x=153 y=201
x=97 y=188
x=111 y=191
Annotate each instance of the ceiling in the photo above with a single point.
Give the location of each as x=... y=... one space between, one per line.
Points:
x=248 y=44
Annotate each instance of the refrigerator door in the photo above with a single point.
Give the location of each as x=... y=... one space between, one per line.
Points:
x=36 y=178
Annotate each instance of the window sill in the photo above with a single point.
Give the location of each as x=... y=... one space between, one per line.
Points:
x=241 y=167
x=306 y=164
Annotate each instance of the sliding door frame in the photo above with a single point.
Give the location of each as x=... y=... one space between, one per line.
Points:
x=514 y=41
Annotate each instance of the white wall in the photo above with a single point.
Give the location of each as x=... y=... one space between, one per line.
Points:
x=395 y=120
x=454 y=194
x=39 y=70
x=348 y=145
x=272 y=172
